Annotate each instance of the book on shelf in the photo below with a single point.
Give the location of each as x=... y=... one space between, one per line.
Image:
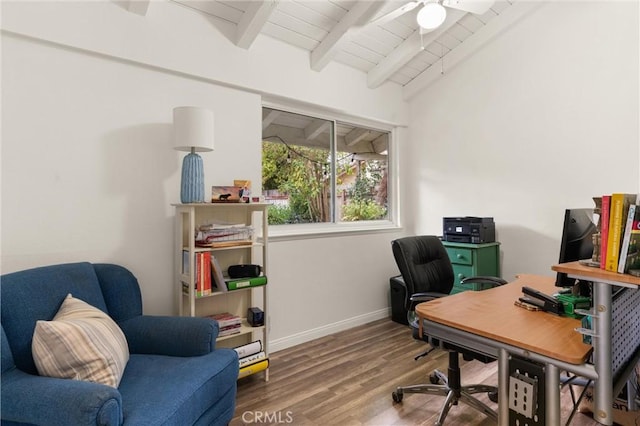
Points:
x=225 y=319
x=630 y=251
x=253 y=368
x=229 y=330
x=252 y=359
x=604 y=229
x=218 y=278
x=617 y=220
x=249 y=349
x=238 y=283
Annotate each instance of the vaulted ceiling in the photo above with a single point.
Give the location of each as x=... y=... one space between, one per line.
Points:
x=357 y=34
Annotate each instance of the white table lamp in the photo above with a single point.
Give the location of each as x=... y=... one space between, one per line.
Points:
x=192 y=132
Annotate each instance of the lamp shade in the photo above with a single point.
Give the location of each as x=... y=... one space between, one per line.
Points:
x=192 y=129
x=431 y=16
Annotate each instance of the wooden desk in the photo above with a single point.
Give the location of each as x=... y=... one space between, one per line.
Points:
x=489 y=322
x=492 y=314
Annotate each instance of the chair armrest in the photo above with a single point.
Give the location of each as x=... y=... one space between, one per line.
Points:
x=495 y=281
x=45 y=400
x=172 y=336
x=423 y=297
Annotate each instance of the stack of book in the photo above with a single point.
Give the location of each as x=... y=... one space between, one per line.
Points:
x=228 y=324
x=252 y=359
x=619 y=232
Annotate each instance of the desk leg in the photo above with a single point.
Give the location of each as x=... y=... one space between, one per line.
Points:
x=552 y=394
x=601 y=321
x=503 y=387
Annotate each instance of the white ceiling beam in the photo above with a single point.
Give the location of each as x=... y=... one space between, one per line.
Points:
x=315 y=128
x=252 y=21
x=359 y=14
x=138 y=7
x=269 y=117
x=472 y=45
x=408 y=49
x=355 y=136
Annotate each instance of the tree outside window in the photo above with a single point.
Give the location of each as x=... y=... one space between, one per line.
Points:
x=306 y=183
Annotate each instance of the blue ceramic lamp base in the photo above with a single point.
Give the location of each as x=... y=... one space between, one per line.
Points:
x=192 y=184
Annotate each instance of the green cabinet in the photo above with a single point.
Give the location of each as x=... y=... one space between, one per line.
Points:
x=470 y=260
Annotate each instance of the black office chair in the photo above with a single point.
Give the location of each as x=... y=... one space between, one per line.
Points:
x=428 y=274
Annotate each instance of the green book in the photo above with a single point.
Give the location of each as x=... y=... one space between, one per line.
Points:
x=238 y=283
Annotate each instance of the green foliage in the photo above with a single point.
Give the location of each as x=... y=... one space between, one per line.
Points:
x=363 y=210
x=303 y=174
x=364 y=187
x=300 y=173
x=279 y=215
x=274 y=161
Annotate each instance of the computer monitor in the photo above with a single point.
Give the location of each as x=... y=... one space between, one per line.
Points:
x=576 y=243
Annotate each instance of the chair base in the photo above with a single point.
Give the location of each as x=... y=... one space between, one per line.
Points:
x=452 y=391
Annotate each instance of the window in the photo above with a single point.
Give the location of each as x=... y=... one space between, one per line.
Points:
x=316 y=170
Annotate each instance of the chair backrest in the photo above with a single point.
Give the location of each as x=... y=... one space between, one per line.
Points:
x=36 y=294
x=424 y=264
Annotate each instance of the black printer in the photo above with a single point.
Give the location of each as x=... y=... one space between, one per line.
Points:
x=469 y=229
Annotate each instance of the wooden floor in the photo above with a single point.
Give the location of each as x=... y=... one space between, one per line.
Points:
x=347 y=379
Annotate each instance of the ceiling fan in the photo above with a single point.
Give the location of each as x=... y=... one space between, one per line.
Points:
x=434 y=12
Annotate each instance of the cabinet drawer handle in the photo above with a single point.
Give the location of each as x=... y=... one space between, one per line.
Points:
x=459 y=256
x=461 y=276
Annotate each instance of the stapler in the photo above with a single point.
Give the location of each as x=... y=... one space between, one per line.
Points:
x=543 y=301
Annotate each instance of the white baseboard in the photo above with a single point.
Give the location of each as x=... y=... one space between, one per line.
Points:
x=325 y=330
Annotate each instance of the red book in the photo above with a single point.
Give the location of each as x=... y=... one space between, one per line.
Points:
x=203 y=274
x=604 y=229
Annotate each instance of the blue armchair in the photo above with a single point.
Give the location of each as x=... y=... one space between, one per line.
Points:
x=174 y=375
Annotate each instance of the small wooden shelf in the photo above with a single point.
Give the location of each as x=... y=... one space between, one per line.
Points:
x=189 y=217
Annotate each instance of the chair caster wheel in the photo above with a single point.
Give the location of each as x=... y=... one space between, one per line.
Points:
x=493 y=396
x=397 y=396
x=434 y=379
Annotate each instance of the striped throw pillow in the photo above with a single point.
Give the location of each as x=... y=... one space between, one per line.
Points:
x=80 y=343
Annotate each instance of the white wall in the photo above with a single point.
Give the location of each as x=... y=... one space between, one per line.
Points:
x=89 y=173
x=541 y=119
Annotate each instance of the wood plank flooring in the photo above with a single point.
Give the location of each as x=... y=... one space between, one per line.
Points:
x=347 y=378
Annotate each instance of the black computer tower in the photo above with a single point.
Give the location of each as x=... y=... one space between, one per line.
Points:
x=398 y=291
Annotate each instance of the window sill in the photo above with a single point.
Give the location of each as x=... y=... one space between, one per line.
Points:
x=315 y=230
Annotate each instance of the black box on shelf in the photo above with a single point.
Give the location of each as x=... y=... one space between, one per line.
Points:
x=255 y=317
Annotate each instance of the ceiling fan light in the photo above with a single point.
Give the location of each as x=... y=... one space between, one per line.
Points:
x=431 y=16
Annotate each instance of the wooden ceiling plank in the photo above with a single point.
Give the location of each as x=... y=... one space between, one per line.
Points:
x=407 y=50
x=288 y=36
x=252 y=22
x=324 y=53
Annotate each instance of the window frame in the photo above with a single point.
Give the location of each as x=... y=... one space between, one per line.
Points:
x=335 y=228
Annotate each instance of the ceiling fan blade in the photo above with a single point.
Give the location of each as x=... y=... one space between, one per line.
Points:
x=397 y=12
x=474 y=6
